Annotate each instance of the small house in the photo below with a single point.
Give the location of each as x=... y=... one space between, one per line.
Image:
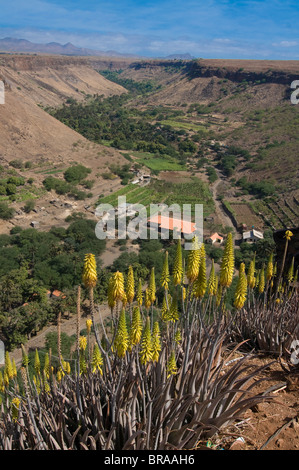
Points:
x=252 y=236
x=215 y=238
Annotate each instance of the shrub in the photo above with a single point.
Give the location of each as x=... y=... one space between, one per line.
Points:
x=6 y=212
x=76 y=173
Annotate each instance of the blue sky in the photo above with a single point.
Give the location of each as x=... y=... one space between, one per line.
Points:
x=248 y=29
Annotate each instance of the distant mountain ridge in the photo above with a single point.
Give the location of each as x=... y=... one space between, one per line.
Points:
x=23 y=45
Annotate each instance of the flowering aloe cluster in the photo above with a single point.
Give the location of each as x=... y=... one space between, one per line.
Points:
x=159 y=377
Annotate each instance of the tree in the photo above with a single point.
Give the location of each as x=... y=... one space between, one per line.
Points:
x=6 y=212
x=76 y=173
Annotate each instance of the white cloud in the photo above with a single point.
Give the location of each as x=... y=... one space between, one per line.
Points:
x=286 y=44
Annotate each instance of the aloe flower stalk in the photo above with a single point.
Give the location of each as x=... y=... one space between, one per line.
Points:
x=193 y=262
x=47 y=366
x=211 y=286
x=8 y=366
x=156 y=342
x=37 y=362
x=82 y=343
x=165 y=308
x=171 y=365
x=177 y=272
x=270 y=268
x=136 y=327
x=88 y=325
x=139 y=296
x=89 y=275
x=290 y=275
x=97 y=360
x=173 y=314
x=147 y=299
x=130 y=287
x=2 y=386
x=261 y=285
x=118 y=289
x=152 y=286
x=121 y=341
x=146 y=344
x=165 y=278
x=110 y=296
x=251 y=280
x=241 y=289
x=15 y=404
x=227 y=265
x=200 y=285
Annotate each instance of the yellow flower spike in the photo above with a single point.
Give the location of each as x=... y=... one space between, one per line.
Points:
x=118 y=289
x=250 y=275
x=37 y=384
x=288 y=234
x=152 y=286
x=59 y=375
x=171 y=365
x=82 y=343
x=5 y=378
x=241 y=289
x=290 y=275
x=97 y=360
x=15 y=405
x=212 y=284
x=165 y=308
x=25 y=358
x=37 y=362
x=47 y=366
x=173 y=314
x=165 y=278
x=88 y=325
x=200 y=285
x=178 y=337
x=147 y=298
x=261 y=285
x=136 y=327
x=146 y=344
x=111 y=300
x=89 y=276
x=156 y=342
x=82 y=363
x=139 y=296
x=2 y=386
x=193 y=261
x=130 y=291
x=177 y=272
x=270 y=268
x=121 y=341
x=47 y=386
x=227 y=264
x=8 y=366
x=67 y=367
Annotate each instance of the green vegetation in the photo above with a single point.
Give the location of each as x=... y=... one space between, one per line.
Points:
x=158 y=162
x=142 y=88
x=73 y=176
x=117 y=122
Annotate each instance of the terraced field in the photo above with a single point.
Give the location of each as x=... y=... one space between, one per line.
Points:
x=281 y=213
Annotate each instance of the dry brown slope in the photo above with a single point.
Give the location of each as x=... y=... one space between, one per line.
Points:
x=26 y=130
